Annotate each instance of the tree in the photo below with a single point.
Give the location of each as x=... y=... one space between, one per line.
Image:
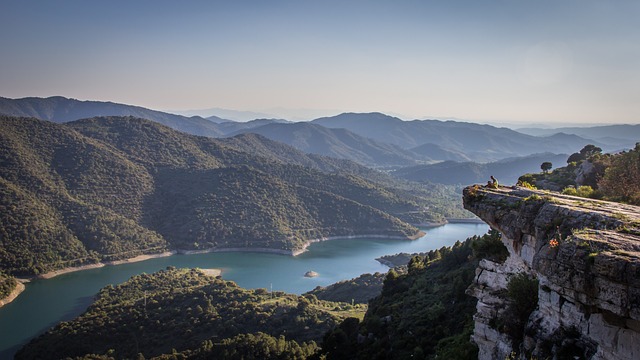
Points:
x=590 y=150
x=575 y=157
x=546 y=166
x=621 y=181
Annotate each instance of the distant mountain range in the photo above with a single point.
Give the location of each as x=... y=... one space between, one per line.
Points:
x=611 y=135
x=372 y=139
x=228 y=114
x=480 y=143
x=434 y=151
x=337 y=143
x=60 y=110
x=506 y=171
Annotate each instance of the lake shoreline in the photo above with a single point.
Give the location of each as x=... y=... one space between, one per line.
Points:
x=418 y=235
x=14 y=293
x=52 y=274
x=295 y=252
x=465 y=221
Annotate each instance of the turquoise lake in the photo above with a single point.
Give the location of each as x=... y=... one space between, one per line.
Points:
x=47 y=302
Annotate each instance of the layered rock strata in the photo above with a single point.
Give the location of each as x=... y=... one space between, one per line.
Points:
x=585 y=255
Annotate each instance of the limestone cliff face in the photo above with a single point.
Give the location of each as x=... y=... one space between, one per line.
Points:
x=589 y=283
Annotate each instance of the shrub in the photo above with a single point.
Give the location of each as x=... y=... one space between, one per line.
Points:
x=582 y=191
x=490 y=247
x=526 y=185
x=523 y=291
x=533 y=197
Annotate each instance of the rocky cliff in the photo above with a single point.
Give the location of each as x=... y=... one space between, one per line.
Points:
x=585 y=256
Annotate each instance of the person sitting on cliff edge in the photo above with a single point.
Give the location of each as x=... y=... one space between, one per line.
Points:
x=493 y=183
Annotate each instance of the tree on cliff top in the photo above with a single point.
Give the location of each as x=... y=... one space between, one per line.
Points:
x=546 y=166
x=621 y=181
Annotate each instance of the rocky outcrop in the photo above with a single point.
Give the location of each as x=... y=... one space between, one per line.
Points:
x=585 y=255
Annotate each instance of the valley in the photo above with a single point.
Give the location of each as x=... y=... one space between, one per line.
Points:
x=254 y=201
x=46 y=302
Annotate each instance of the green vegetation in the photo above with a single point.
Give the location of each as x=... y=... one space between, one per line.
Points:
x=490 y=247
x=614 y=177
x=582 y=191
x=560 y=178
x=563 y=177
x=187 y=314
x=423 y=314
x=256 y=346
x=621 y=181
x=7 y=285
x=588 y=152
x=359 y=290
x=526 y=185
x=522 y=291
x=533 y=197
x=111 y=188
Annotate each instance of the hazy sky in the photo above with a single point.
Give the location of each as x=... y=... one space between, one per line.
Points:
x=510 y=60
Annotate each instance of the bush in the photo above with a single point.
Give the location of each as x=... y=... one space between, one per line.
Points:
x=526 y=185
x=582 y=191
x=523 y=291
x=490 y=247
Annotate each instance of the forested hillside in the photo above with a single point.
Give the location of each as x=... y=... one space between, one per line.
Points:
x=186 y=311
x=111 y=188
x=7 y=284
x=424 y=314
x=359 y=290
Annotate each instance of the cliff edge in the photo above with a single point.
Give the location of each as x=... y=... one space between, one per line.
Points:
x=585 y=256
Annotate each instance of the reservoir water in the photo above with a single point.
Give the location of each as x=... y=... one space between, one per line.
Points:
x=47 y=302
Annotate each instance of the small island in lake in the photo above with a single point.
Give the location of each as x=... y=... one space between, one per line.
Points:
x=311 y=274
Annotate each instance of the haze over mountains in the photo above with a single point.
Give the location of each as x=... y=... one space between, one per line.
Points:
x=611 y=135
x=338 y=143
x=371 y=139
x=60 y=109
x=467 y=173
x=480 y=142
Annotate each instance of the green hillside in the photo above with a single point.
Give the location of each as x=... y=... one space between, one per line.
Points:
x=179 y=310
x=7 y=285
x=359 y=290
x=111 y=188
x=423 y=314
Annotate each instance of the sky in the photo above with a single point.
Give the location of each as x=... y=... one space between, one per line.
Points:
x=510 y=61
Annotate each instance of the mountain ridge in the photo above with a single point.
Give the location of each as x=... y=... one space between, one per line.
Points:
x=466 y=173
x=60 y=109
x=337 y=143
x=481 y=143
x=105 y=189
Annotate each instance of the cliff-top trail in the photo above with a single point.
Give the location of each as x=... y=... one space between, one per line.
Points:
x=585 y=255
